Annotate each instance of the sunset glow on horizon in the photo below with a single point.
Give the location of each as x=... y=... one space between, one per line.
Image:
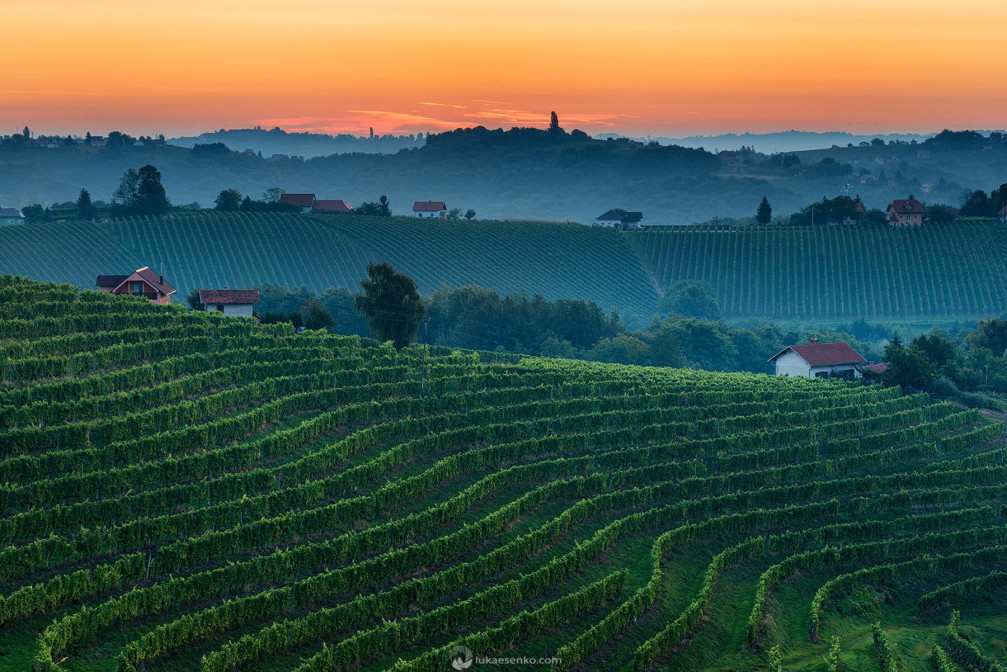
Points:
x=400 y=66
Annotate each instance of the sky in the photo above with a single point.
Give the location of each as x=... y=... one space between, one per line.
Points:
x=638 y=67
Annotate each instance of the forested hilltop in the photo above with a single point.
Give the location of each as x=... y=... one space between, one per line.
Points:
x=937 y=273
x=523 y=173
x=186 y=491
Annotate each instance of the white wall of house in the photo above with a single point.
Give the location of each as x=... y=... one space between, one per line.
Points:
x=424 y=213
x=609 y=222
x=231 y=309
x=790 y=364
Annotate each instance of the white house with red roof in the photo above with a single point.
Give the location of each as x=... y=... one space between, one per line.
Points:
x=230 y=302
x=905 y=212
x=430 y=209
x=818 y=360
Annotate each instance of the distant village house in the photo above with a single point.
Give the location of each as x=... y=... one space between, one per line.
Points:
x=1003 y=214
x=905 y=212
x=230 y=302
x=11 y=216
x=141 y=282
x=430 y=209
x=818 y=360
x=620 y=219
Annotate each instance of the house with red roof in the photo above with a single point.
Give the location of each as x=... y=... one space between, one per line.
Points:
x=430 y=209
x=330 y=205
x=905 y=212
x=230 y=302
x=141 y=282
x=818 y=360
x=1003 y=214
x=303 y=201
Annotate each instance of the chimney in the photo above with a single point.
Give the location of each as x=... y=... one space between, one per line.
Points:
x=813 y=340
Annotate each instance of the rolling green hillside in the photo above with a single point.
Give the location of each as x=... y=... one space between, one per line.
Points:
x=232 y=250
x=184 y=491
x=936 y=272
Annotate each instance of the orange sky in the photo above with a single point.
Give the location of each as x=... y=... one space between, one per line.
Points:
x=633 y=66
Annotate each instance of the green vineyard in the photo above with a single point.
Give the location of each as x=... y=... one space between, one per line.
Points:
x=247 y=250
x=936 y=271
x=184 y=491
x=931 y=273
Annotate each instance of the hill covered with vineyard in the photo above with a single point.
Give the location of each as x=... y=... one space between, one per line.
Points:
x=248 y=250
x=935 y=273
x=184 y=491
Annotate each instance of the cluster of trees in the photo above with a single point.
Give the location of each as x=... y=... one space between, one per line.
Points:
x=964 y=367
x=688 y=331
x=231 y=200
x=978 y=204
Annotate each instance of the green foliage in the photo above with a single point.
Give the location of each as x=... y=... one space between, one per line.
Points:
x=192 y=300
x=690 y=298
x=228 y=200
x=85 y=207
x=316 y=316
x=390 y=304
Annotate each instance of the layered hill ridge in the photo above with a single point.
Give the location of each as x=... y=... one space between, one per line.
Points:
x=932 y=273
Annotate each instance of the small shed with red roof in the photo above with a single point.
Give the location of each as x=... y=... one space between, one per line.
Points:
x=430 y=209
x=230 y=302
x=818 y=360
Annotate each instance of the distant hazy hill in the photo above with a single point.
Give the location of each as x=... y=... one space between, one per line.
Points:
x=784 y=141
x=308 y=145
x=531 y=174
x=933 y=273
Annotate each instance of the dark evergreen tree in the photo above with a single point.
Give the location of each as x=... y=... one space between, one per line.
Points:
x=764 y=214
x=85 y=208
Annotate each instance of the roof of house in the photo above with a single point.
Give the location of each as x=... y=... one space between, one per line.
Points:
x=327 y=205
x=300 y=200
x=10 y=212
x=616 y=215
x=824 y=354
x=154 y=280
x=110 y=280
x=879 y=367
x=907 y=206
x=429 y=206
x=228 y=296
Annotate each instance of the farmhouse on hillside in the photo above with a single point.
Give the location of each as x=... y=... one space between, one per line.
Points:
x=330 y=205
x=818 y=360
x=141 y=282
x=430 y=209
x=620 y=219
x=11 y=216
x=905 y=212
x=230 y=302
x=303 y=201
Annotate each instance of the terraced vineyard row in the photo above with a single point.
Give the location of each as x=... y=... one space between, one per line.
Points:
x=188 y=492
x=874 y=273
